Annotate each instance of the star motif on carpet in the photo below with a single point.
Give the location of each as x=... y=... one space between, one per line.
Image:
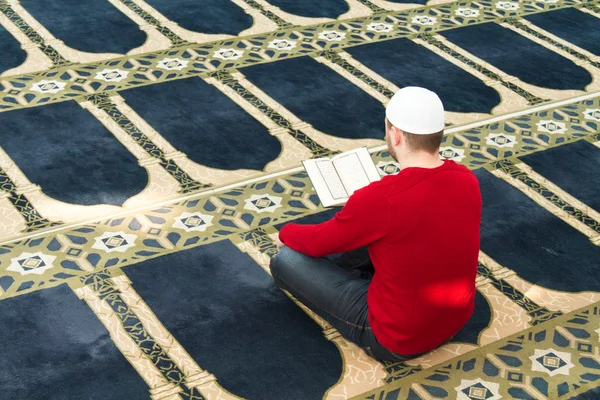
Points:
x=551 y=362
x=172 y=64
x=507 y=5
x=594 y=114
x=114 y=242
x=424 y=20
x=31 y=263
x=501 y=140
x=551 y=126
x=388 y=168
x=228 y=54
x=111 y=75
x=466 y=12
x=193 y=222
x=332 y=36
x=282 y=44
x=477 y=389
x=450 y=153
x=46 y=86
x=379 y=27
x=262 y=203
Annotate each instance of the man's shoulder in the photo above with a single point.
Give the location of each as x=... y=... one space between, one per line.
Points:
x=373 y=192
x=462 y=171
x=412 y=178
x=451 y=165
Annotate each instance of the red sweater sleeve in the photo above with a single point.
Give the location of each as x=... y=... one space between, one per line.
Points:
x=364 y=219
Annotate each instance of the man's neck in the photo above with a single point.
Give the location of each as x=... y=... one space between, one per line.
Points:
x=420 y=160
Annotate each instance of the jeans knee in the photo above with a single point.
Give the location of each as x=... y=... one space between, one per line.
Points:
x=274 y=264
x=281 y=262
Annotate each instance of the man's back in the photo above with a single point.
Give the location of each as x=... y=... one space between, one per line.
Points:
x=426 y=264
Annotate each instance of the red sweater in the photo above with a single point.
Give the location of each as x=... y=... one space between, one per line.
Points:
x=422 y=230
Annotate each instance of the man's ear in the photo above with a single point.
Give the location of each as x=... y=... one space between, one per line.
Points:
x=396 y=136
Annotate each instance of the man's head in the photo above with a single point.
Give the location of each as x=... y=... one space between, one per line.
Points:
x=414 y=122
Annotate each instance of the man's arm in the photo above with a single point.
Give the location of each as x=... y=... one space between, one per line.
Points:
x=364 y=219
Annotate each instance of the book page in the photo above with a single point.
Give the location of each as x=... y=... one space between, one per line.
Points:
x=356 y=169
x=326 y=182
x=331 y=178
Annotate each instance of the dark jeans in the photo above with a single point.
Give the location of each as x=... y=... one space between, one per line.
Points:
x=336 y=289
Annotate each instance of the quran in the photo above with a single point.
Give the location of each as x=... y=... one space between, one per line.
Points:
x=336 y=179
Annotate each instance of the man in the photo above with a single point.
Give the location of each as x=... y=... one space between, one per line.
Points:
x=421 y=227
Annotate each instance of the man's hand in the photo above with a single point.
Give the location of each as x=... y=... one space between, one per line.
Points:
x=279 y=244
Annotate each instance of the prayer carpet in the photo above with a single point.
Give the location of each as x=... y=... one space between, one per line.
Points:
x=150 y=150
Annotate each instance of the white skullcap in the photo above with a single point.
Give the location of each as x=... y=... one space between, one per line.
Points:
x=416 y=110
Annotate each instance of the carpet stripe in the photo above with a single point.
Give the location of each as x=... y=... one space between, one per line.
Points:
x=357 y=73
x=33 y=219
x=123 y=341
x=439 y=42
x=164 y=376
x=578 y=219
x=196 y=377
x=376 y=85
x=559 y=192
x=373 y=7
x=268 y=13
x=149 y=19
x=35 y=37
x=533 y=32
x=243 y=88
x=536 y=312
x=186 y=183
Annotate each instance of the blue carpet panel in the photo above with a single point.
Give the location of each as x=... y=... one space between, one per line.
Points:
x=205 y=124
x=313 y=8
x=575 y=26
x=321 y=97
x=519 y=56
x=528 y=239
x=94 y=26
x=54 y=347
x=11 y=54
x=71 y=155
x=228 y=314
x=208 y=16
x=423 y=2
x=574 y=168
x=406 y=63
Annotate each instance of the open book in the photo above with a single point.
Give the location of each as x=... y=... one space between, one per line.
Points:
x=337 y=178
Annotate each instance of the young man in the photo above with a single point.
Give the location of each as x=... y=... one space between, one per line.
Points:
x=421 y=227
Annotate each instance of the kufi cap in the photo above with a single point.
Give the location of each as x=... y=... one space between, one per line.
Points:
x=416 y=110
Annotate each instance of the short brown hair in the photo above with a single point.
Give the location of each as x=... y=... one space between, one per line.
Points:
x=429 y=143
